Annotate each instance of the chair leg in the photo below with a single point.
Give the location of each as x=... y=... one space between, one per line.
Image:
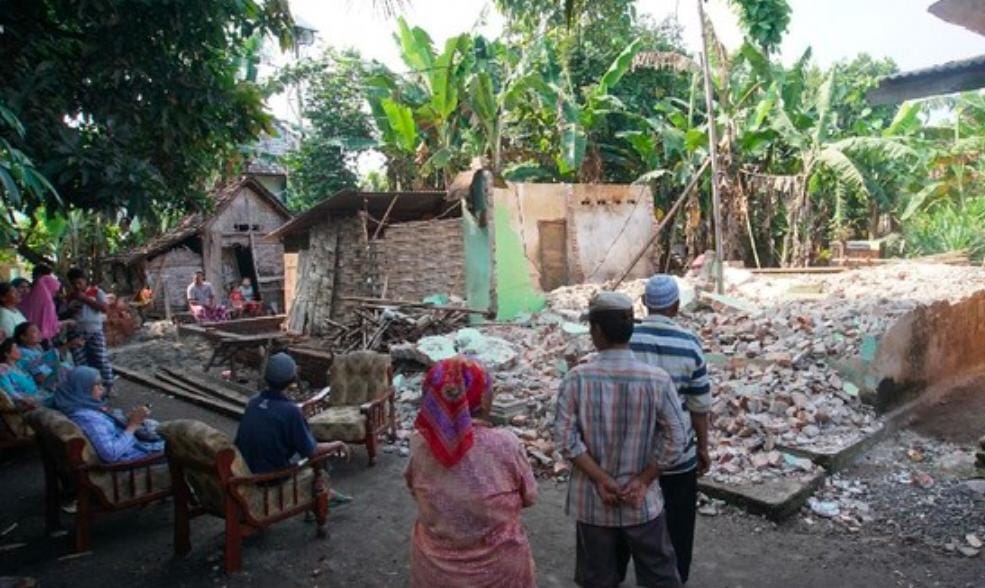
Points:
x=182 y=524
x=321 y=513
x=51 y=496
x=234 y=538
x=371 y=447
x=83 y=521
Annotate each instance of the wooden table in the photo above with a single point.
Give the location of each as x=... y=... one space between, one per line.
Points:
x=226 y=345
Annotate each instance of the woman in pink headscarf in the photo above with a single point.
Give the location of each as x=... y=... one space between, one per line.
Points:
x=470 y=481
x=39 y=306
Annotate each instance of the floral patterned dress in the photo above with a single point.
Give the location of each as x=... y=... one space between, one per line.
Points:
x=468 y=531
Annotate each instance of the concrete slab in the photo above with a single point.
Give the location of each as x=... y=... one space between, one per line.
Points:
x=775 y=499
x=837 y=458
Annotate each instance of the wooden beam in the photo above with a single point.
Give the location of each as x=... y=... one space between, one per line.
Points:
x=223 y=408
x=383 y=303
x=668 y=218
x=798 y=270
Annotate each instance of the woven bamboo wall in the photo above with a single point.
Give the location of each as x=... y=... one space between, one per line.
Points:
x=423 y=258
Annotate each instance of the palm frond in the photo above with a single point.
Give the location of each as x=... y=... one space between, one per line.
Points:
x=885 y=147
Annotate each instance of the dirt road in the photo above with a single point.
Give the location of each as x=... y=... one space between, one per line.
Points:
x=367 y=546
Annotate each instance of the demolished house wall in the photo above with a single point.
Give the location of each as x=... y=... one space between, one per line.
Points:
x=172 y=271
x=248 y=208
x=424 y=258
x=311 y=308
x=608 y=224
x=603 y=226
x=414 y=259
x=928 y=345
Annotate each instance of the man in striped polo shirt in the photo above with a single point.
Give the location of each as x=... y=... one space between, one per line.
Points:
x=661 y=342
x=618 y=420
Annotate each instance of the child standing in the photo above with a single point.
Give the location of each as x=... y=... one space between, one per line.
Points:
x=89 y=304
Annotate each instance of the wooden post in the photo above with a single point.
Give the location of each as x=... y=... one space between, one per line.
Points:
x=712 y=151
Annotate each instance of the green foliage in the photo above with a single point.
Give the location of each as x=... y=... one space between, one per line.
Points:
x=132 y=105
x=948 y=227
x=764 y=21
x=337 y=129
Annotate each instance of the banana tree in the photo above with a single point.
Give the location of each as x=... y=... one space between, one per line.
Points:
x=419 y=117
x=823 y=164
x=578 y=118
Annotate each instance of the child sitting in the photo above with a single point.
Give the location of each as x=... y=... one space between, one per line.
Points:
x=35 y=361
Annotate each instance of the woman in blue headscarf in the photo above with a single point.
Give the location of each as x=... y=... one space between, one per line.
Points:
x=114 y=438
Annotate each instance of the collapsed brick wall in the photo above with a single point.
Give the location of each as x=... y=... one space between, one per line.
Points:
x=423 y=258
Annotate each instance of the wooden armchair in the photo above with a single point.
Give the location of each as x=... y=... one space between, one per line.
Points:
x=211 y=477
x=14 y=430
x=359 y=404
x=67 y=454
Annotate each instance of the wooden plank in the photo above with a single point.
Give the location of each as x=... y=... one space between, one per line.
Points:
x=383 y=303
x=205 y=380
x=798 y=270
x=223 y=408
x=218 y=392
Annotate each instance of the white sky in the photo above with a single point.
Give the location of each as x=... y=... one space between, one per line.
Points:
x=836 y=29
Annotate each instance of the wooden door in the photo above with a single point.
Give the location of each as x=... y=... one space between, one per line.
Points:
x=553 y=254
x=290 y=280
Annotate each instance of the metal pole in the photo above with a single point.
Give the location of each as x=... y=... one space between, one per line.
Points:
x=712 y=151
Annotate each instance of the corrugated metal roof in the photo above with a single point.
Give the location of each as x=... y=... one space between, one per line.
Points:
x=947 y=78
x=969 y=14
x=408 y=206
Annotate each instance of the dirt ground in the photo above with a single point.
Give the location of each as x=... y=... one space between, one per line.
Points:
x=368 y=541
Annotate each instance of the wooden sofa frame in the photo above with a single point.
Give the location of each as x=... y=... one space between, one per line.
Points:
x=89 y=496
x=240 y=522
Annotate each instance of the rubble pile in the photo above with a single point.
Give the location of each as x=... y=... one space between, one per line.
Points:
x=769 y=342
x=377 y=325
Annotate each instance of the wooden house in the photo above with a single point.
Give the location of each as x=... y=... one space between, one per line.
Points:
x=228 y=243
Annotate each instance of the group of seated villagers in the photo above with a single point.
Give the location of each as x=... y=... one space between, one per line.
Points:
x=244 y=301
x=46 y=330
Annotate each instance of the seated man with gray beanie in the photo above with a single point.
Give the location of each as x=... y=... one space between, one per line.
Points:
x=273 y=433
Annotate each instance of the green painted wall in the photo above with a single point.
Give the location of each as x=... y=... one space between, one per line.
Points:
x=478 y=263
x=515 y=292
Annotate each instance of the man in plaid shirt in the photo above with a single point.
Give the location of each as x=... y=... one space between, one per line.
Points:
x=620 y=422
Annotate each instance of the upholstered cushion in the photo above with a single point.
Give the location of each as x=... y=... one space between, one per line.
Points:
x=55 y=426
x=340 y=423
x=359 y=377
x=195 y=446
x=13 y=421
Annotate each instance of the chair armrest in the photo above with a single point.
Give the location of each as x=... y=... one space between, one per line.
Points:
x=313 y=461
x=316 y=403
x=372 y=405
x=153 y=459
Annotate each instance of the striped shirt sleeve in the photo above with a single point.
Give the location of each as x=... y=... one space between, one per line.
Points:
x=567 y=435
x=698 y=396
x=672 y=433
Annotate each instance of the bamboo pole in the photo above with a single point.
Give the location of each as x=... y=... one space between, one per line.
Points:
x=713 y=152
x=668 y=218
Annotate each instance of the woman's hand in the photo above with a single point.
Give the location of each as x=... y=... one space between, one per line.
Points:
x=136 y=418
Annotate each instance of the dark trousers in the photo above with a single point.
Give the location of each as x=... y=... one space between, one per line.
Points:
x=603 y=554
x=681 y=506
